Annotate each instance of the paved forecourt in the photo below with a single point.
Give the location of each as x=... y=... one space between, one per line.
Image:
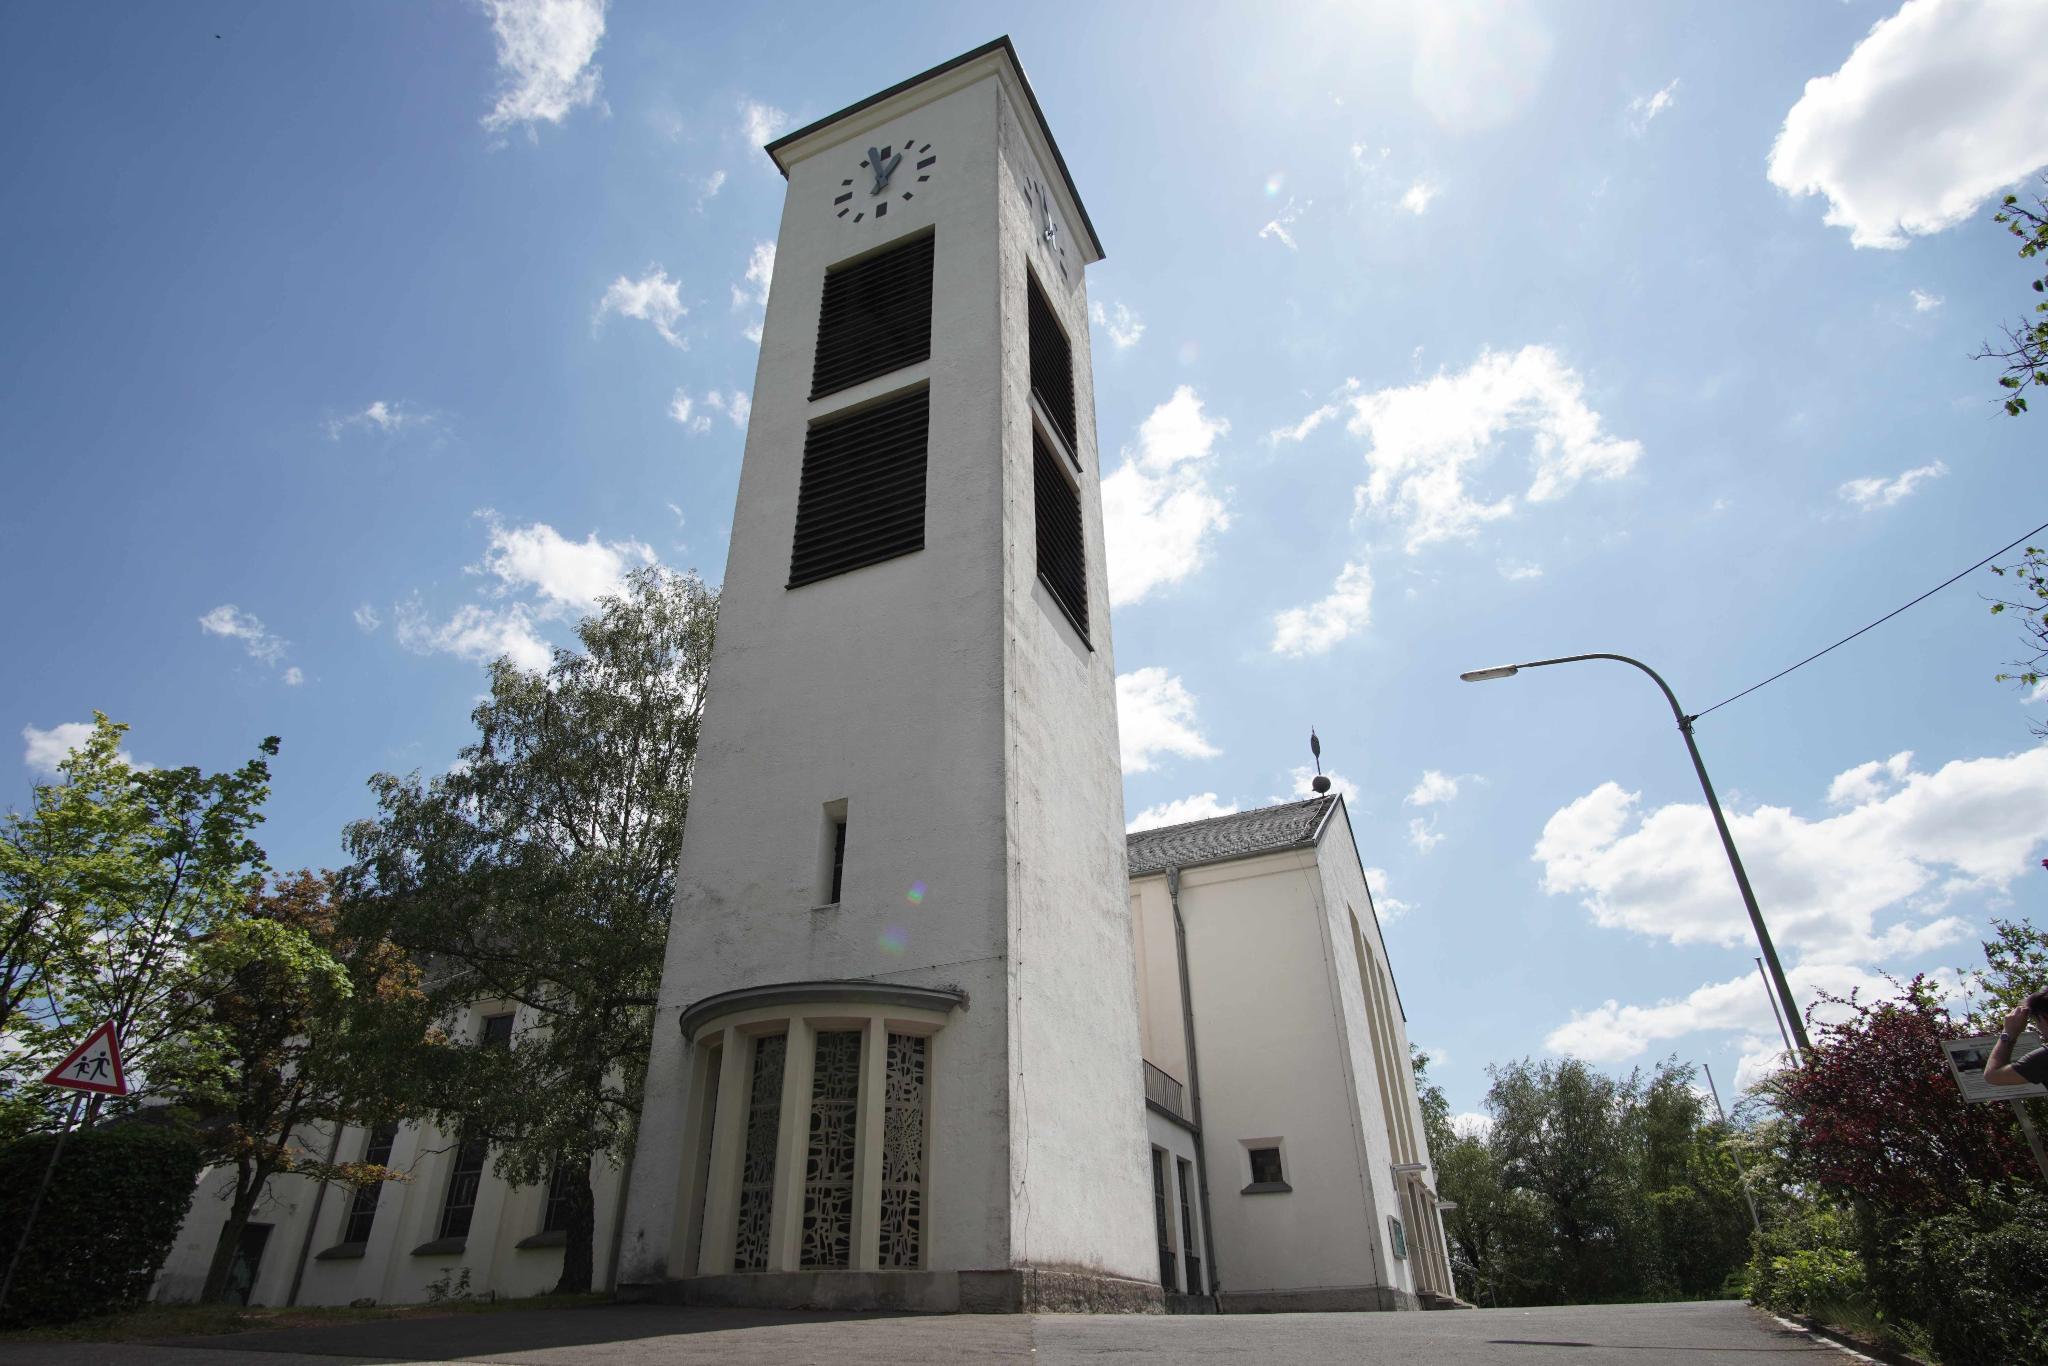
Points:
x=1717 y=1333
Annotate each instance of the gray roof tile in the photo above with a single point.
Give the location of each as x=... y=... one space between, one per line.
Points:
x=1237 y=835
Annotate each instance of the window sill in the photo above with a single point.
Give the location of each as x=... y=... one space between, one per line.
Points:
x=827 y=906
x=1267 y=1188
x=440 y=1247
x=1067 y=614
x=341 y=1252
x=554 y=1237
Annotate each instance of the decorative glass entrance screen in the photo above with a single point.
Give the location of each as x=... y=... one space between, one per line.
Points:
x=828 y=1171
x=903 y=1153
x=757 y=1170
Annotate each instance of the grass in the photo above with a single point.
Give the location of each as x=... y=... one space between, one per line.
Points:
x=150 y=1321
x=1859 y=1319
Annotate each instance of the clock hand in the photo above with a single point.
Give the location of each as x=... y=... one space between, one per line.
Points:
x=883 y=170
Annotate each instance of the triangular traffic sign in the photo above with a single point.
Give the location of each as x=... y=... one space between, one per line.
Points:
x=94 y=1065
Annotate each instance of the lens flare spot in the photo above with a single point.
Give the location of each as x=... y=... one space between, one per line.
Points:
x=895 y=939
x=915 y=895
x=1274 y=184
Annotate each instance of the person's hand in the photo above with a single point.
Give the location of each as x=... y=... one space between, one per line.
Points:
x=2016 y=1022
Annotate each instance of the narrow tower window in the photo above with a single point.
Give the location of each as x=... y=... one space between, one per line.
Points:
x=861 y=500
x=1052 y=364
x=1062 y=558
x=832 y=855
x=876 y=317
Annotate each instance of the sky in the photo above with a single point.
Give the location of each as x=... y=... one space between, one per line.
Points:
x=348 y=347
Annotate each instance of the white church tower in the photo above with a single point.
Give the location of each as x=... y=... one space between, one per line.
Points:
x=895 y=1058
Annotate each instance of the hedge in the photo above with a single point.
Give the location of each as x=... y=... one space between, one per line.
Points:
x=114 y=1206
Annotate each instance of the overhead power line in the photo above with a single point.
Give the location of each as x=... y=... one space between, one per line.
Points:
x=1873 y=625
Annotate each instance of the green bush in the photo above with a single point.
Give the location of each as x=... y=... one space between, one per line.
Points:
x=115 y=1203
x=1795 y=1282
x=1973 y=1278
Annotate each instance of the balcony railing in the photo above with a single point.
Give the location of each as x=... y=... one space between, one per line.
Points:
x=1165 y=1092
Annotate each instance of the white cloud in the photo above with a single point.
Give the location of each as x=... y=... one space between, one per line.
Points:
x=1879 y=492
x=293 y=677
x=736 y=405
x=1159 y=513
x=653 y=298
x=1390 y=909
x=1613 y=1032
x=474 y=632
x=566 y=574
x=1301 y=783
x=1477 y=66
x=1471 y=1124
x=1301 y=430
x=1181 y=810
x=1341 y=613
x=753 y=291
x=232 y=622
x=1923 y=302
x=1417 y=199
x=1935 y=111
x=545 y=50
x=387 y=417
x=1427 y=440
x=1422 y=834
x=1520 y=571
x=1644 y=108
x=1119 y=324
x=761 y=124
x=683 y=411
x=708 y=188
x=1155 y=714
x=1434 y=787
x=1278 y=228
x=1869 y=883
x=1871 y=781
x=44 y=750
x=367 y=619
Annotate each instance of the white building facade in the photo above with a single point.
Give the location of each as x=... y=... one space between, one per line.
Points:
x=929 y=1034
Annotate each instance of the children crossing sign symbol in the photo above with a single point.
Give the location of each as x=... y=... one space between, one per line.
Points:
x=94 y=1065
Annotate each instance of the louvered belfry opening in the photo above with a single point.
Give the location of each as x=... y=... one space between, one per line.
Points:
x=876 y=317
x=1052 y=364
x=1062 y=561
x=861 y=499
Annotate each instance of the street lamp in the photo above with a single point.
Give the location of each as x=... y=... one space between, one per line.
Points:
x=1756 y=917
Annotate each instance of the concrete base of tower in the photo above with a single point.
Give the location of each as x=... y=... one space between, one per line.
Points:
x=1022 y=1290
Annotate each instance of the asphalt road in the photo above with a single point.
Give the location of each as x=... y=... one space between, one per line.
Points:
x=1720 y=1333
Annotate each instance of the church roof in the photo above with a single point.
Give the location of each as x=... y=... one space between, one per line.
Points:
x=1239 y=835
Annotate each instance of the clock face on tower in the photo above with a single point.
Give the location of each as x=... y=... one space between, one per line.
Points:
x=891 y=172
x=1045 y=219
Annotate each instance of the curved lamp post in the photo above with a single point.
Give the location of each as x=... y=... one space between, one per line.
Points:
x=1756 y=917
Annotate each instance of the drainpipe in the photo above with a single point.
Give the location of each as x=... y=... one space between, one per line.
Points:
x=1187 y=1016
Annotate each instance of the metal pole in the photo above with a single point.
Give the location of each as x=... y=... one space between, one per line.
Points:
x=36 y=1204
x=1776 y=1014
x=1715 y=1092
x=1756 y=916
x=2019 y=1109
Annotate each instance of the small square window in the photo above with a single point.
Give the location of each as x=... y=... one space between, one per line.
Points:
x=1266 y=1167
x=497 y=1032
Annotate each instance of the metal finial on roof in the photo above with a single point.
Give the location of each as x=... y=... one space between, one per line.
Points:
x=1315 y=747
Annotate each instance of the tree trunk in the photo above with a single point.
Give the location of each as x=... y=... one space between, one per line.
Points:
x=230 y=1241
x=577 y=1259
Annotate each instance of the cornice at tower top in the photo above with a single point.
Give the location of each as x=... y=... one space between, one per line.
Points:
x=999 y=55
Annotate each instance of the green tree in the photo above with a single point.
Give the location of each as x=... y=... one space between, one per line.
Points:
x=540 y=871
x=2024 y=354
x=302 y=1027
x=132 y=868
x=2029 y=598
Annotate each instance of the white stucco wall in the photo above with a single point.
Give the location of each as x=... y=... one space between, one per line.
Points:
x=974 y=745
x=408 y=1214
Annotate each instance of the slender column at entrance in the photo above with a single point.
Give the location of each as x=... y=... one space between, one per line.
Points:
x=728 y=1134
x=792 y=1149
x=867 y=1179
